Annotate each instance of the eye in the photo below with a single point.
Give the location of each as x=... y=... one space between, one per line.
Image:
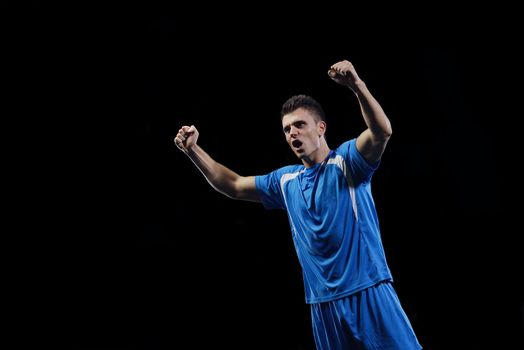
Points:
x=286 y=129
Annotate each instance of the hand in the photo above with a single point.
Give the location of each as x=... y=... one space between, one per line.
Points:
x=344 y=73
x=186 y=138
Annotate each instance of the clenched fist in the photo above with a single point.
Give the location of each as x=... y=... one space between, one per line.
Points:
x=186 y=138
x=344 y=73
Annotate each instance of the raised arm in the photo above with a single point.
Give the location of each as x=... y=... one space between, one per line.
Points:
x=221 y=178
x=371 y=143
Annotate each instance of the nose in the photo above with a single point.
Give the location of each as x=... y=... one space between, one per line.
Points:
x=293 y=131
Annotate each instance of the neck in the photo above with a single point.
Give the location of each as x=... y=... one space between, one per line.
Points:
x=318 y=156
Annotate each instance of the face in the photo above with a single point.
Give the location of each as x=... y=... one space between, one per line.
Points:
x=303 y=132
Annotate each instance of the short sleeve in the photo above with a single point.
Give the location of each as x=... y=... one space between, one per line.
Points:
x=361 y=169
x=268 y=186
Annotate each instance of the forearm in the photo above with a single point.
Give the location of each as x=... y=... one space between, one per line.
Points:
x=219 y=177
x=374 y=116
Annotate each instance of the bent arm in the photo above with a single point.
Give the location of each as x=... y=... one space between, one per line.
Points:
x=372 y=142
x=223 y=179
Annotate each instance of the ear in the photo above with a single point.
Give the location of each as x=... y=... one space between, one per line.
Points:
x=321 y=127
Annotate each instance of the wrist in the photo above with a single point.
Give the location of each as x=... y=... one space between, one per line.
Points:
x=191 y=151
x=358 y=86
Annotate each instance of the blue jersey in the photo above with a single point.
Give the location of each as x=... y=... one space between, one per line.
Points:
x=333 y=222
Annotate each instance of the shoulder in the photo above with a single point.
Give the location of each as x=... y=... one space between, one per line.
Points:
x=346 y=147
x=287 y=169
x=271 y=183
x=282 y=172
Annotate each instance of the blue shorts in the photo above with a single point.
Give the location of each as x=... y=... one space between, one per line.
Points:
x=370 y=319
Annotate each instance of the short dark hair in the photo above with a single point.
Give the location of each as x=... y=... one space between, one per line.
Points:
x=302 y=101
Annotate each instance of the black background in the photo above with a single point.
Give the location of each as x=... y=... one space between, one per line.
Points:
x=139 y=252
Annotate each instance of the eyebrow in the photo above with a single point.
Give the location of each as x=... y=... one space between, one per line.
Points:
x=302 y=121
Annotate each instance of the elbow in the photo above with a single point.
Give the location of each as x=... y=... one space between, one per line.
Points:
x=383 y=134
x=381 y=131
x=222 y=188
x=228 y=190
x=388 y=132
x=231 y=194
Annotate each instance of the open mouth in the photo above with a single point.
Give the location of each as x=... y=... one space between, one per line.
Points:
x=296 y=143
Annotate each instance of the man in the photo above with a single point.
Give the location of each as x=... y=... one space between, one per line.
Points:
x=332 y=216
